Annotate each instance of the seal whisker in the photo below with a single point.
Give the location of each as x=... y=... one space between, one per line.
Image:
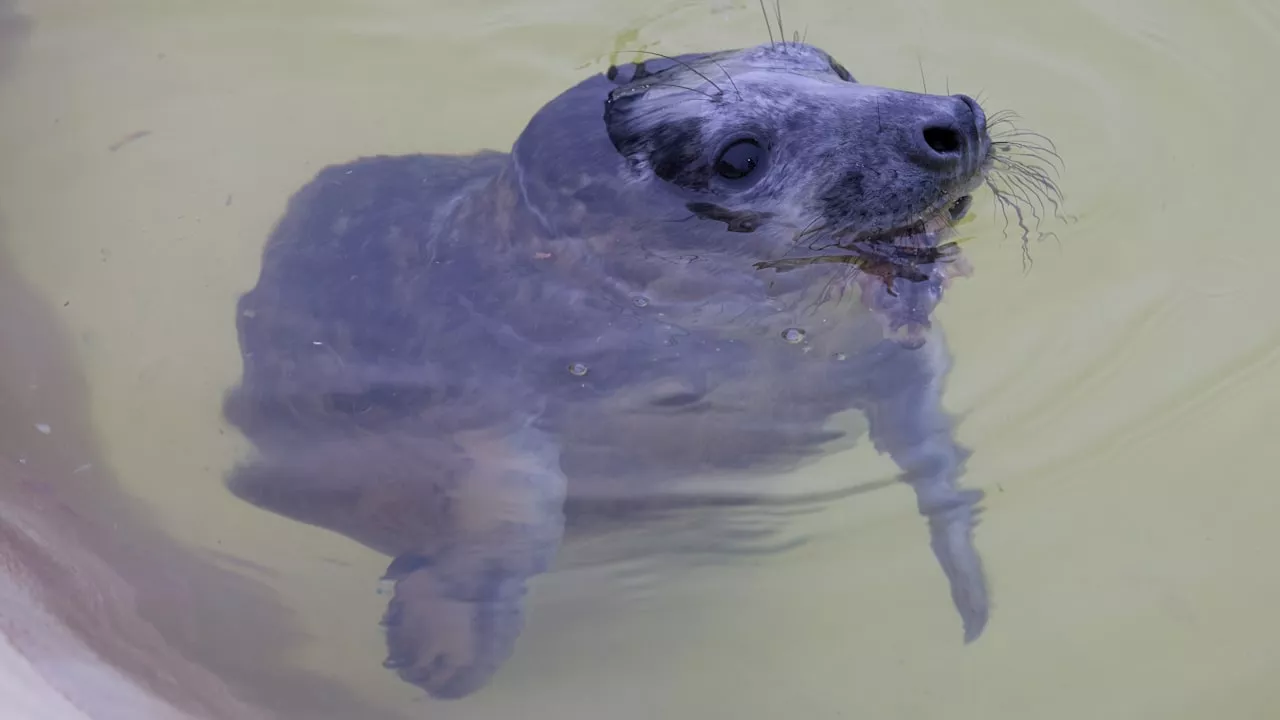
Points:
x=1000 y=205
x=1034 y=174
x=1028 y=138
x=1030 y=150
x=1027 y=261
x=704 y=93
x=1006 y=202
x=1035 y=177
x=1012 y=171
x=691 y=68
x=1031 y=146
x=1003 y=114
x=1016 y=190
x=993 y=123
x=727 y=75
x=1039 y=161
x=1010 y=129
x=777 y=13
x=1038 y=179
x=1029 y=194
x=822 y=239
x=1022 y=132
x=1014 y=131
x=768 y=25
x=1041 y=178
x=1029 y=191
x=996 y=114
x=1002 y=118
x=833 y=291
x=1027 y=163
x=807 y=230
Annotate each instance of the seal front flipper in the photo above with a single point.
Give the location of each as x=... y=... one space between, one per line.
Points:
x=459 y=608
x=449 y=635
x=907 y=421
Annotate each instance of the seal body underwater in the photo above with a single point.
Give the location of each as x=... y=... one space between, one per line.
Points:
x=684 y=266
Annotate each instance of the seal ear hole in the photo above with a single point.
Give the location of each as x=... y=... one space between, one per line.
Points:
x=739 y=160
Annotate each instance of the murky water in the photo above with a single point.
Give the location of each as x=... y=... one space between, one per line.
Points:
x=1117 y=394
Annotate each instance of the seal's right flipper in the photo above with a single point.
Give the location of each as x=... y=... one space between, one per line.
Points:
x=908 y=422
x=459 y=608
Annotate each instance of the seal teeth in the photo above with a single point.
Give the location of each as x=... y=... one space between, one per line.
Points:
x=960 y=207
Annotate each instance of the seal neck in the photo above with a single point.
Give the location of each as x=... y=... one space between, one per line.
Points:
x=500 y=212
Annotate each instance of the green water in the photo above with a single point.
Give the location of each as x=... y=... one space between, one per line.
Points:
x=1118 y=395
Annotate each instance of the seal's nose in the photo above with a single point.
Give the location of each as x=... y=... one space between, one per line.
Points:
x=950 y=138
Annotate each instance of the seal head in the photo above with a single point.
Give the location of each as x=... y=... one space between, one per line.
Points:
x=782 y=155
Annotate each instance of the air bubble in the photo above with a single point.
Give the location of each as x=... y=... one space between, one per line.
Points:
x=577 y=369
x=640 y=301
x=794 y=336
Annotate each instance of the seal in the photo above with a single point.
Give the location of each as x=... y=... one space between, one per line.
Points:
x=685 y=267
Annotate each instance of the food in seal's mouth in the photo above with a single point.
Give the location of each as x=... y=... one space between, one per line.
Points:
x=928 y=232
x=902 y=281
x=902 y=274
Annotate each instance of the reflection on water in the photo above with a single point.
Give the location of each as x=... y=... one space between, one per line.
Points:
x=1098 y=390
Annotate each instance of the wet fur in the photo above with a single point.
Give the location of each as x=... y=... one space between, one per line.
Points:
x=443 y=355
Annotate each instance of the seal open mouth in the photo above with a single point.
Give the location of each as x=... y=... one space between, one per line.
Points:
x=901 y=274
x=960 y=207
x=904 y=274
x=915 y=240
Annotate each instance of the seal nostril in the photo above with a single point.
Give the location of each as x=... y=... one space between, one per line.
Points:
x=943 y=140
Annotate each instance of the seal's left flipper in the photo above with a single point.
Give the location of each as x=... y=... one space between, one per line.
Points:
x=450 y=635
x=907 y=421
x=458 y=607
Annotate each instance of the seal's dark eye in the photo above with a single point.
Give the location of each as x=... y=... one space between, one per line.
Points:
x=739 y=160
